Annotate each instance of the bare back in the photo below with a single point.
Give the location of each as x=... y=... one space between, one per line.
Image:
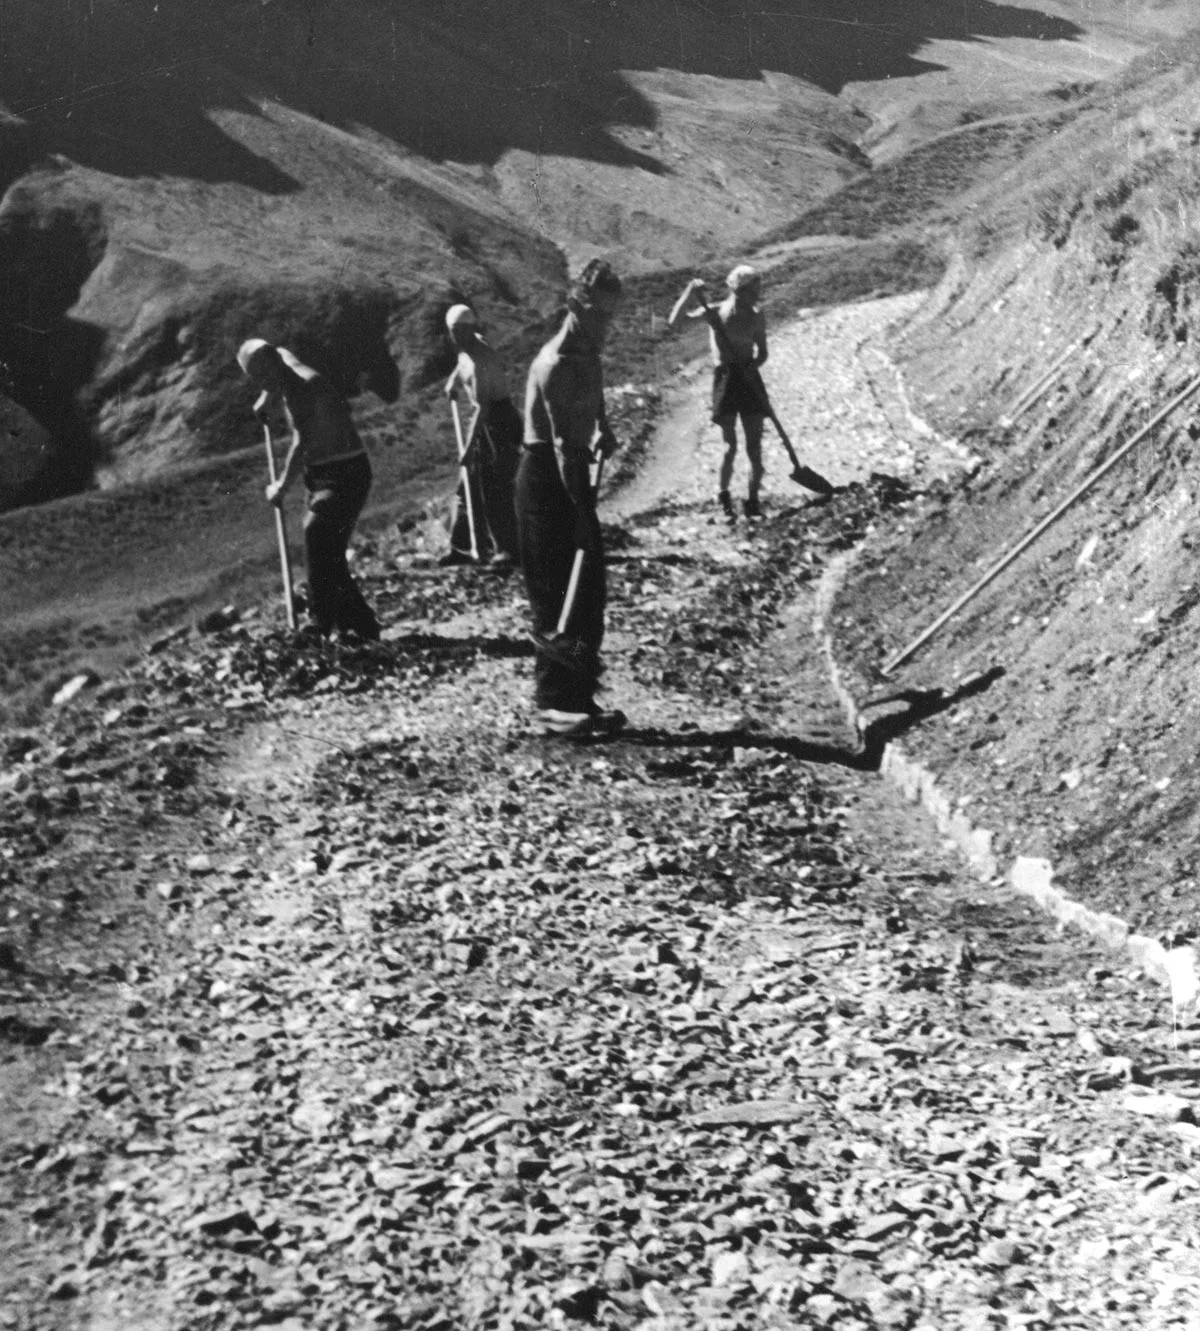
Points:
x=744 y=331
x=319 y=415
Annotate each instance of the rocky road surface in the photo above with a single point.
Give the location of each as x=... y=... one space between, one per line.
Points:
x=344 y=1002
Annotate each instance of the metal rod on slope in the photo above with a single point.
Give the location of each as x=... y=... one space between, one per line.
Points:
x=1029 y=539
x=1026 y=399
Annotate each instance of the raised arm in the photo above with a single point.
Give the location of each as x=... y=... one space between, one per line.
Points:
x=695 y=286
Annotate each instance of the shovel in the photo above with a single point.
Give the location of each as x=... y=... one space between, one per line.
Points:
x=576 y=570
x=285 y=562
x=572 y=582
x=802 y=475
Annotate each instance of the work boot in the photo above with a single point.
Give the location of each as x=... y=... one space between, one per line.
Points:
x=607 y=721
x=726 y=503
x=567 y=725
x=751 y=507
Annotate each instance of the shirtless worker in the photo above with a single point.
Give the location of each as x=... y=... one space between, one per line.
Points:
x=337 y=476
x=738 y=337
x=493 y=445
x=556 y=509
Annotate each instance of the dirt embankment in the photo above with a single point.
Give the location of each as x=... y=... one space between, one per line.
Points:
x=1073 y=303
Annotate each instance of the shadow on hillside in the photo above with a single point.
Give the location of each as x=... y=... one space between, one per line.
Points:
x=919 y=705
x=46 y=356
x=130 y=92
x=344 y=332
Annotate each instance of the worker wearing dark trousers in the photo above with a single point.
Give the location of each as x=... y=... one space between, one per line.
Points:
x=337 y=492
x=337 y=477
x=552 y=529
x=556 y=509
x=493 y=449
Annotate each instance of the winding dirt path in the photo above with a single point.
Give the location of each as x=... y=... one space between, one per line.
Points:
x=703 y=1029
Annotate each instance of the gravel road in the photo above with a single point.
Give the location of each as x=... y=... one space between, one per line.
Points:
x=439 y=1025
x=835 y=392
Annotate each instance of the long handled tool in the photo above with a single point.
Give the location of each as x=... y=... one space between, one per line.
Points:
x=1042 y=384
x=1026 y=541
x=802 y=475
x=464 y=478
x=576 y=569
x=285 y=563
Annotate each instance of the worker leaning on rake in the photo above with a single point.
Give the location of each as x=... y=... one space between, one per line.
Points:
x=337 y=476
x=483 y=526
x=738 y=334
x=562 y=554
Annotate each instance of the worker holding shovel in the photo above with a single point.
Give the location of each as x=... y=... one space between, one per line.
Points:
x=738 y=334
x=562 y=554
x=483 y=527
x=337 y=476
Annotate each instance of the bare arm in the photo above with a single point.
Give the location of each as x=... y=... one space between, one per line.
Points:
x=287 y=475
x=284 y=478
x=677 y=310
x=278 y=488
x=760 y=339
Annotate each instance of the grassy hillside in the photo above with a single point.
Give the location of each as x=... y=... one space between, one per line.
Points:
x=1086 y=749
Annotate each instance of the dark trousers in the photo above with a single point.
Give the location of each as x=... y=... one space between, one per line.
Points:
x=337 y=492
x=491 y=472
x=566 y=670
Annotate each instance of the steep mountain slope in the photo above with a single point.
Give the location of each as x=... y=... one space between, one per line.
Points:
x=181 y=175
x=336 y=175
x=1075 y=287
x=333 y=175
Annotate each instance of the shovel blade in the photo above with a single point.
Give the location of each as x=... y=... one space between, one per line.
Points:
x=812 y=480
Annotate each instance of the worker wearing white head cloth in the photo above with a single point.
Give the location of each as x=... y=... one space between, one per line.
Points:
x=738 y=337
x=480 y=385
x=326 y=447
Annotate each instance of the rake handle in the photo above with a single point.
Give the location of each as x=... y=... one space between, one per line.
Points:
x=285 y=562
x=464 y=478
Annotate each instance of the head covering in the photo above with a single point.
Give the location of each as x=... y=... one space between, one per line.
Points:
x=598 y=275
x=741 y=277
x=460 y=314
x=249 y=349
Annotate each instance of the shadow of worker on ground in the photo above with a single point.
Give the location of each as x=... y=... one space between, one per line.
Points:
x=874 y=736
